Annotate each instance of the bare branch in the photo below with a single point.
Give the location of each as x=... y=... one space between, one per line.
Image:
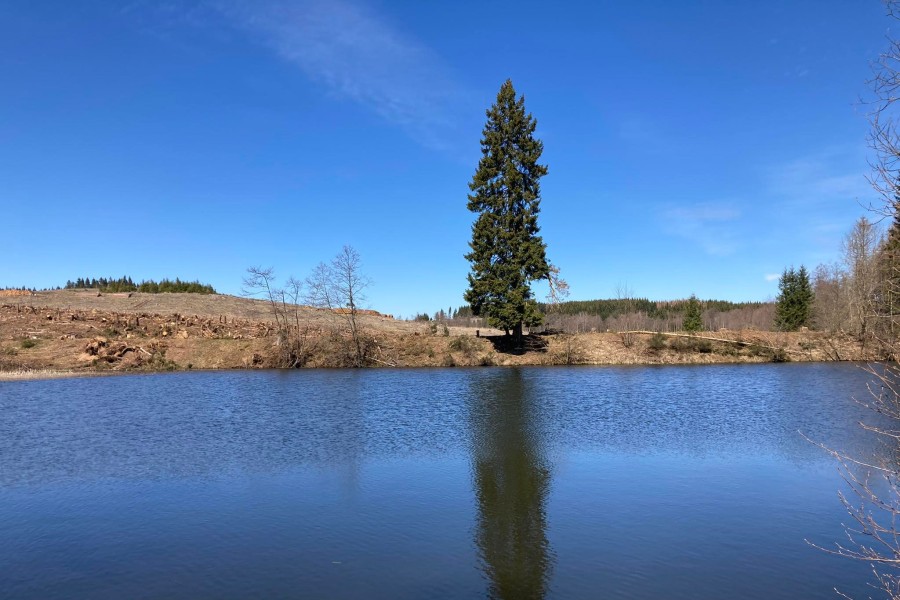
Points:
x=339 y=287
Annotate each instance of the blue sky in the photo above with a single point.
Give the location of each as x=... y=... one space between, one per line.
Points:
x=693 y=147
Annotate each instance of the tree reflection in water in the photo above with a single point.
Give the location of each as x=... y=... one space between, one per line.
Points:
x=511 y=481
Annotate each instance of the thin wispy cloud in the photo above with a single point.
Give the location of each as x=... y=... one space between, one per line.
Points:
x=825 y=191
x=709 y=225
x=772 y=277
x=821 y=179
x=356 y=54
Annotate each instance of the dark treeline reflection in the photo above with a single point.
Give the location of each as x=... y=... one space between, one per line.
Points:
x=512 y=480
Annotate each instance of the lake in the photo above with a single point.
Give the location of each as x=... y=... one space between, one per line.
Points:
x=581 y=482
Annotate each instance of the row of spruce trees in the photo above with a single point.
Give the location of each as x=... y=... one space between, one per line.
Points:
x=126 y=284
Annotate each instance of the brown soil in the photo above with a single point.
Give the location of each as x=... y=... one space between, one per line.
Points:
x=80 y=332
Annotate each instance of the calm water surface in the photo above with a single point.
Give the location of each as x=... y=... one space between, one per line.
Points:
x=672 y=482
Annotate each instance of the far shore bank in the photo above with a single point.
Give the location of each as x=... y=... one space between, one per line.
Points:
x=47 y=337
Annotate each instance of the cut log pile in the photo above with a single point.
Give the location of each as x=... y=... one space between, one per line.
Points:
x=13 y=293
x=362 y=311
x=100 y=348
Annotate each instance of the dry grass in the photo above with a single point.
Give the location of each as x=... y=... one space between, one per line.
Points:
x=28 y=374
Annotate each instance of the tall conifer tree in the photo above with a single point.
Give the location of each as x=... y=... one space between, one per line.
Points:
x=693 y=315
x=507 y=252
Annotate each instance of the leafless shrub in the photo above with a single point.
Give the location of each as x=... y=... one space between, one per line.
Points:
x=295 y=333
x=339 y=287
x=873 y=497
x=569 y=351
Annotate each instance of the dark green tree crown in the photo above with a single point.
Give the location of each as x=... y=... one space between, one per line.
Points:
x=693 y=314
x=507 y=252
x=793 y=308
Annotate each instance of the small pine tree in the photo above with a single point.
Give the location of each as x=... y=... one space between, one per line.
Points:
x=693 y=315
x=793 y=308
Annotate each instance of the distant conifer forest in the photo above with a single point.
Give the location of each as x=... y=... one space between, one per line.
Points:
x=125 y=284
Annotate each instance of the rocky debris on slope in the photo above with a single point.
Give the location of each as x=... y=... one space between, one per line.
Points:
x=100 y=348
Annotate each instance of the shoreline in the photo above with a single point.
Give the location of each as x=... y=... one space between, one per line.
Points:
x=45 y=374
x=42 y=374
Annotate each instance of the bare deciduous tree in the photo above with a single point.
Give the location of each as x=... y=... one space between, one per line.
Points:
x=558 y=292
x=295 y=332
x=339 y=286
x=559 y=288
x=860 y=250
x=627 y=321
x=830 y=309
x=884 y=135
